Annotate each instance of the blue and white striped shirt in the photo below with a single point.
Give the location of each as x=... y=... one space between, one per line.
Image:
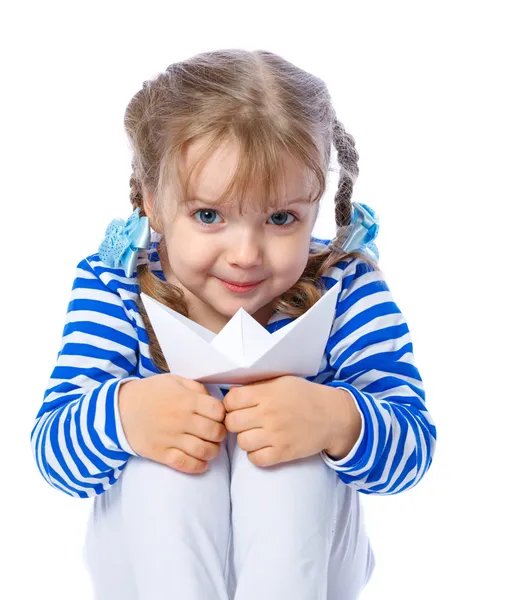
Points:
x=78 y=441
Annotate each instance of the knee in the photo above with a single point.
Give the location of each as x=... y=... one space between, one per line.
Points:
x=144 y=477
x=309 y=475
x=152 y=486
x=302 y=492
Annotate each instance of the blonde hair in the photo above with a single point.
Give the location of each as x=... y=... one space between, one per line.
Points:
x=269 y=107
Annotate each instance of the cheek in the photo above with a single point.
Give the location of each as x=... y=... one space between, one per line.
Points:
x=289 y=258
x=196 y=260
x=177 y=241
x=189 y=255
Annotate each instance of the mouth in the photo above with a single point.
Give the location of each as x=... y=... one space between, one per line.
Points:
x=240 y=287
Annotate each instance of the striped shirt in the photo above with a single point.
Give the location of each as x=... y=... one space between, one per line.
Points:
x=78 y=440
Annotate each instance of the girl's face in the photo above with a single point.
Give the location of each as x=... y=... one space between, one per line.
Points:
x=209 y=248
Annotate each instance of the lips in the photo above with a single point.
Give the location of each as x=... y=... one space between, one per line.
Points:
x=241 y=287
x=241 y=283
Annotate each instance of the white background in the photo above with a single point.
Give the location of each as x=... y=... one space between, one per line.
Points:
x=429 y=91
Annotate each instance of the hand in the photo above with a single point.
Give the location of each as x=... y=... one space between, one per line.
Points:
x=283 y=419
x=172 y=420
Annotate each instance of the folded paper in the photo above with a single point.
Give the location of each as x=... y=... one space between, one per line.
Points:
x=243 y=351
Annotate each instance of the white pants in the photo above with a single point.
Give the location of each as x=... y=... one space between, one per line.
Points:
x=236 y=532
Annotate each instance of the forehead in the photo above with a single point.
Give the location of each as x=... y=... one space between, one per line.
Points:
x=217 y=170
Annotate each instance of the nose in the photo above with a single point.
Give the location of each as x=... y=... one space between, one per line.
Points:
x=245 y=250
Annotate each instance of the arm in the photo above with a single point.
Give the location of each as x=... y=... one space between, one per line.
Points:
x=371 y=355
x=77 y=439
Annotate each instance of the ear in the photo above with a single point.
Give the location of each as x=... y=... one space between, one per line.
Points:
x=148 y=205
x=147 y=201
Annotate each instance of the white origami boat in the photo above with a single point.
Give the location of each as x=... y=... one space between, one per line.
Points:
x=243 y=351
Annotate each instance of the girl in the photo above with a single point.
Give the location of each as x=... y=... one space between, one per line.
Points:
x=253 y=495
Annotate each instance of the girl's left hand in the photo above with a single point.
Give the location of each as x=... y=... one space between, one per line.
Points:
x=283 y=419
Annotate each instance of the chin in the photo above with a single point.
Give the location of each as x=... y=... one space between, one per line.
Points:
x=230 y=308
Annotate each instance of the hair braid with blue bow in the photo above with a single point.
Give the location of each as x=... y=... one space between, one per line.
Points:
x=357 y=223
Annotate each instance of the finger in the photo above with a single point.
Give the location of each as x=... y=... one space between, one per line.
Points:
x=266 y=457
x=209 y=407
x=180 y=461
x=197 y=448
x=252 y=440
x=239 y=397
x=206 y=429
x=243 y=419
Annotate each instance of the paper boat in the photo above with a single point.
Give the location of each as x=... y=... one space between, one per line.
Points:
x=243 y=351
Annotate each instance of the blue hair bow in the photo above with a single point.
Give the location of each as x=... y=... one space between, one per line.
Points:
x=123 y=240
x=360 y=234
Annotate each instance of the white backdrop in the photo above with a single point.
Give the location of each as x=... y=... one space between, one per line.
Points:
x=430 y=93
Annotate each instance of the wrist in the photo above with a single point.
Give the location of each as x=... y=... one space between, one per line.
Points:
x=129 y=391
x=346 y=424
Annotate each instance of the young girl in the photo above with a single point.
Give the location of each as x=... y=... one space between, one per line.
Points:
x=254 y=494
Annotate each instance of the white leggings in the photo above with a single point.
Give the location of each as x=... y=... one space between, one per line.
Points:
x=236 y=532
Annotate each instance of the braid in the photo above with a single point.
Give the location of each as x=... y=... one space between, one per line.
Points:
x=348 y=160
x=136 y=190
x=136 y=194
x=153 y=286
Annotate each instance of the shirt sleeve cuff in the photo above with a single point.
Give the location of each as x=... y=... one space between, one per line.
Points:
x=121 y=438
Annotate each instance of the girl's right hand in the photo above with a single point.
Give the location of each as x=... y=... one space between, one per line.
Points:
x=172 y=420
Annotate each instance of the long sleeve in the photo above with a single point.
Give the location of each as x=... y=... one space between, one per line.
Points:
x=77 y=439
x=371 y=356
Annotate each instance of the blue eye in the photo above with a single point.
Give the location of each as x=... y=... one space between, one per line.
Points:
x=279 y=218
x=207 y=215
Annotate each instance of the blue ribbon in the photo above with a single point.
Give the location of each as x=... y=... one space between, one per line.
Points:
x=123 y=240
x=360 y=234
